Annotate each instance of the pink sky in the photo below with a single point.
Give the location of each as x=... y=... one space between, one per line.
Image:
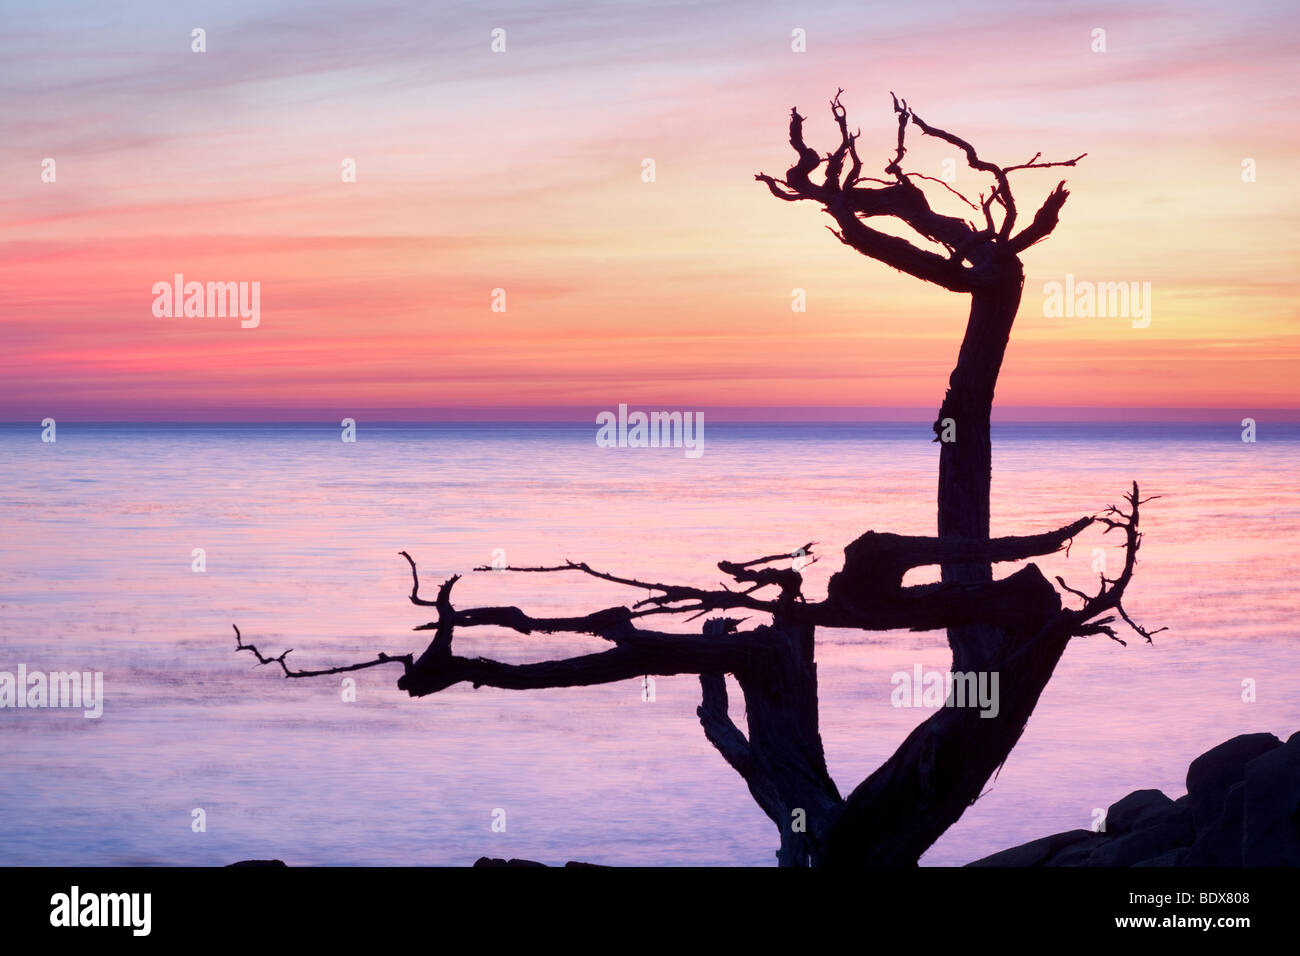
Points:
x=522 y=171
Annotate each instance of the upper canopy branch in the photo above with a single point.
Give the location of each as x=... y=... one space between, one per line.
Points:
x=849 y=201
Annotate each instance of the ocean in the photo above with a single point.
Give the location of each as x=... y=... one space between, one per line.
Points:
x=300 y=534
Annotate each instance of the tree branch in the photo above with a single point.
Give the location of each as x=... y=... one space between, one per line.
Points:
x=727 y=739
x=649 y=653
x=403 y=659
x=846 y=202
x=1003 y=191
x=1044 y=221
x=1110 y=594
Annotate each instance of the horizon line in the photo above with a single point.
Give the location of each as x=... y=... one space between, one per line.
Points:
x=722 y=415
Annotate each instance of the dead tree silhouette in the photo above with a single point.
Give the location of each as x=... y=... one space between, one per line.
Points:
x=1015 y=626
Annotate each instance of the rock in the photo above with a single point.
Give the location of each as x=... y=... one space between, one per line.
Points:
x=495 y=861
x=1046 y=851
x=1171 y=832
x=1218 y=842
x=1214 y=772
x=1079 y=852
x=1271 y=808
x=1141 y=808
x=1175 y=857
x=1242 y=808
x=1143 y=825
x=256 y=863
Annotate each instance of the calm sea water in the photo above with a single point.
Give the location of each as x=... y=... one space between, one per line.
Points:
x=301 y=533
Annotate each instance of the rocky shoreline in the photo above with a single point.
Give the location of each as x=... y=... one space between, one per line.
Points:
x=1242 y=808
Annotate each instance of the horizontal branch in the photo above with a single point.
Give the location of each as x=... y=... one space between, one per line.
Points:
x=403 y=659
x=876 y=562
x=1034 y=164
x=657 y=604
x=658 y=654
x=1005 y=603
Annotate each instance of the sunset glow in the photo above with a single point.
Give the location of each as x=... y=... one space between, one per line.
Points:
x=522 y=171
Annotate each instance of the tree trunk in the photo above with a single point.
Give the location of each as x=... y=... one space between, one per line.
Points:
x=966 y=463
x=898 y=812
x=786 y=763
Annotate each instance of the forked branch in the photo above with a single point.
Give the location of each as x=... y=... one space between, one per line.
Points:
x=403 y=659
x=847 y=198
x=1110 y=593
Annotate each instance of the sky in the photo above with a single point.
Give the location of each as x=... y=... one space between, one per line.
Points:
x=524 y=171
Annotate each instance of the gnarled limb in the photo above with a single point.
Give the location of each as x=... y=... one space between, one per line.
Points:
x=878 y=561
x=660 y=654
x=848 y=200
x=845 y=201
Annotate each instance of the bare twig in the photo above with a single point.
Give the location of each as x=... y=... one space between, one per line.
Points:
x=403 y=659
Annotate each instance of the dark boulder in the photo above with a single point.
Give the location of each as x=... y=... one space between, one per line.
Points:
x=1073 y=844
x=242 y=863
x=1214 y=772
x=1271 y=808
x=496 y=861
x=1242 y=808
x=1140 y=809
x=1218 y=841
x=1175 y=857
x=1159 y=835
